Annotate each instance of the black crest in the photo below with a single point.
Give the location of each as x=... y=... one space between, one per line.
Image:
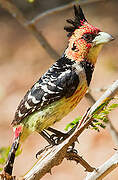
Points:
x=79 y=19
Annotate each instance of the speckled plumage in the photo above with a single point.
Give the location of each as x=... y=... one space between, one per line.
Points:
x=59 y=81
x=65 y=83
x=56 y=94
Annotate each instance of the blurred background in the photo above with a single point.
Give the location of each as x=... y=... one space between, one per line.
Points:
x=23 y=61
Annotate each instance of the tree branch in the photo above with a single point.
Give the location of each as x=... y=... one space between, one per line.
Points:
x=60 y=8
x=104 y=169
x=78 y=159
x=30 y=25
x=15 y=12
x=55 y=156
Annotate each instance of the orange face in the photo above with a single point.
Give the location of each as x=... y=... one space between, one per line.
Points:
x=81 y=42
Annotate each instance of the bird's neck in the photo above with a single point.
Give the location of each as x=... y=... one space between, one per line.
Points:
x=86 y=65
x=93 y=54
x=90 y=55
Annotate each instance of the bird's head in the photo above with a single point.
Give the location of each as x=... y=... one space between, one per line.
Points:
x=85 y=40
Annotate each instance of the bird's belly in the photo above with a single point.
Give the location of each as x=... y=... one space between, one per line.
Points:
x=54 y=112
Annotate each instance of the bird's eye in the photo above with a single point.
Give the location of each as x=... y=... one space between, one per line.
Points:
x=74 y=48
x=88 y=37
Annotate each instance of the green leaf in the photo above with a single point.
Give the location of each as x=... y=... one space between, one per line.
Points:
x=4 y=151
x=95 y=128
x=101 y=107
x=73 y=123
x=2 y=160
x=105 y=119
x=99 y=118
x=113 y=106
x=1 y=169
x=103 y=126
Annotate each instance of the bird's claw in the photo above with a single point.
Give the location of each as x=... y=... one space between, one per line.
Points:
x=71 y=149
x=56 y=139
x=43 y=149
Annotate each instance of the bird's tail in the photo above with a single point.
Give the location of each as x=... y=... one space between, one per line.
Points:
x=11 y=157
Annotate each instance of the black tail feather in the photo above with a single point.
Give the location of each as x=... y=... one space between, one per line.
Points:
x=8 y=168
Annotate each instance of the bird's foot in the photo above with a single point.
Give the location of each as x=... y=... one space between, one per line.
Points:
x=71 y=149
x=43 y=149
x=56 y=138
x=53 y=140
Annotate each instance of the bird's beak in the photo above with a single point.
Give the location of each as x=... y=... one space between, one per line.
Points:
x=102 y=38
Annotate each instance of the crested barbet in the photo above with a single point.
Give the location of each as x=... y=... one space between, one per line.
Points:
x=65 y=83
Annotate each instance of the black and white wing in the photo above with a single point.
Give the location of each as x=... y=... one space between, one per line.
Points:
x=59 y=81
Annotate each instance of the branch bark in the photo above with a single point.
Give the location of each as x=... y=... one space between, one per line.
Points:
x=78 y=159
x=104 y=169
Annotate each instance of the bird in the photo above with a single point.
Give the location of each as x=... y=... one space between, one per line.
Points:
x=64 y=84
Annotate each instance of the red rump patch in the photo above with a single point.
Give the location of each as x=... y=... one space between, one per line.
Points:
x=18 y=130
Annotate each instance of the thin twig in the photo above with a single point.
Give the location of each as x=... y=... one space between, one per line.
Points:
x=104 y=169
x=30 y=25
x=60 y=8
x=78 y=159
